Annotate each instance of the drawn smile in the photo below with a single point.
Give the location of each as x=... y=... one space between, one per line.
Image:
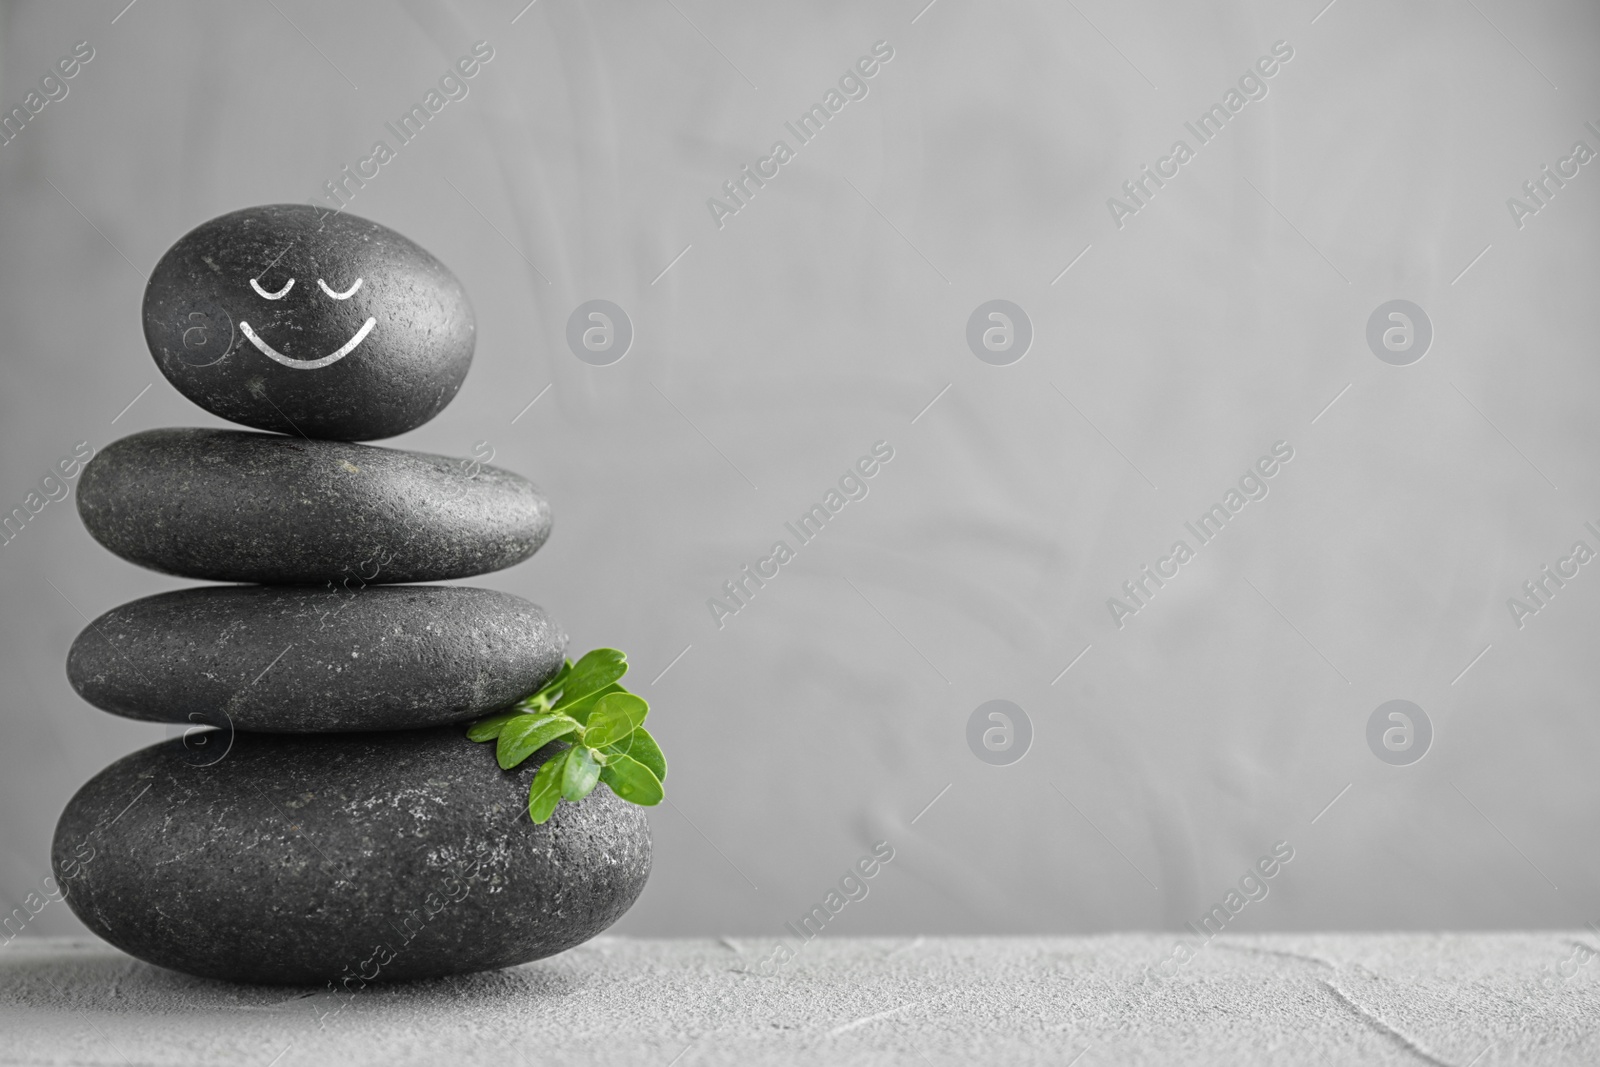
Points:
x=308 y=364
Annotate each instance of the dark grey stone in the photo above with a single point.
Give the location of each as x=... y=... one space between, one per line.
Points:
x=231 y=506
x=273 y=363
x=310 y=659
x=359 y=857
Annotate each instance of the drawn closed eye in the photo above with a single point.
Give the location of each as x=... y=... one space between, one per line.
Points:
x=346 y=295
x=279 y=295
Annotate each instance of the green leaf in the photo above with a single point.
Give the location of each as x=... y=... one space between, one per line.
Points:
x=593 y=672
x=489 y=729
x=519 y=740
x=545 y=792
x=632 y=781
x=642 y=747
x=603 y=723
x=614 y=717
x=581 y=773
x=580 y=708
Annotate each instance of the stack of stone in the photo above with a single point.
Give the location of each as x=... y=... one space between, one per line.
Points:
x=326 y=817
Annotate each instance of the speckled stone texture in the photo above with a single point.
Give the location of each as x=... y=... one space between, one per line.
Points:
x=201 y=310
x=345 y=858
x=232 y=506
x=316 y=659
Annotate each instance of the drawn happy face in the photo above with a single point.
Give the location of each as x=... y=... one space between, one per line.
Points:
x=241 y=307
x=307 y=364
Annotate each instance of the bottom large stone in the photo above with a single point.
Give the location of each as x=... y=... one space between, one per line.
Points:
x=344 y=858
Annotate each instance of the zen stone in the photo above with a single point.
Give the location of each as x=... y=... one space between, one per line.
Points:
x=291 y=319
x=310 y=659
x=343 y=858
x=232 y=506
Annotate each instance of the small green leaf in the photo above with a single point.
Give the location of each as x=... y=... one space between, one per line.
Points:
x=579 y=709
x=545 y=792
x=581 y=774
x=489 y=729
x=593 y=672
x=642 y=747
x=519 y=740
x=614 y=717
x=603 y=724
x=632 y=781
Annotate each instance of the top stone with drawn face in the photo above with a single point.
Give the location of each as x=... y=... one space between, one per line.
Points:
x=286 y=318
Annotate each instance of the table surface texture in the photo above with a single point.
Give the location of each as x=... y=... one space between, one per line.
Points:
x=1463 y=1000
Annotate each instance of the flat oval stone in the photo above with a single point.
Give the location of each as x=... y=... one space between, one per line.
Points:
x=232 y=506
x=287 y=318
x=310 y=659
x=342 y=858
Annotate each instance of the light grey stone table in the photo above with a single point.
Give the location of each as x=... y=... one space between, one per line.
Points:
x=1466 y=1000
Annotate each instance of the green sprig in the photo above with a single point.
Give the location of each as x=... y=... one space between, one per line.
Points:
x=602 y=726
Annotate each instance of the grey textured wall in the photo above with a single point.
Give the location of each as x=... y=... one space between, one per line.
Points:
x=773 y=350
